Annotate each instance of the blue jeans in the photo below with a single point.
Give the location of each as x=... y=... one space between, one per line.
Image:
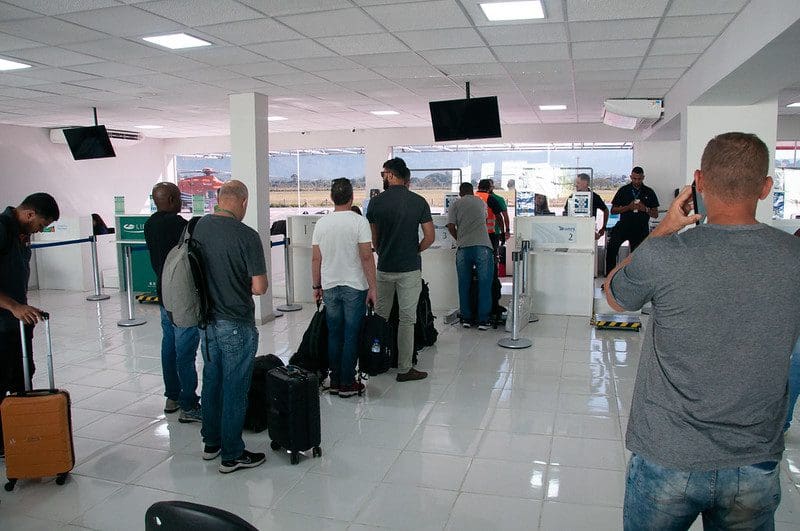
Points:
x=482 y=258
x=227 y=373
x=178 y=353
x=660 y=498
x=794 y=383
x=344 y=312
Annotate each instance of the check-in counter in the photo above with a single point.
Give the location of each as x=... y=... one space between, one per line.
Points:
x=561 y=265
x=299 y=231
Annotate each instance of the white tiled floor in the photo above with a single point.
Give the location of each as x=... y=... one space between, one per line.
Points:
x=494 y=439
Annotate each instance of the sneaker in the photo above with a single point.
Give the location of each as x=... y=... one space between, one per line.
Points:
x=483 y=326
x=347 y=391
x=171 y=406
x=211 y=452
x=333 y=389
x=3 y=453
x=246 y=460
x=191 y=415
x=465 y=324
x=412 y=374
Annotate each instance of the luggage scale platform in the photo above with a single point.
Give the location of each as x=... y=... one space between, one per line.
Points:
x=617 y=321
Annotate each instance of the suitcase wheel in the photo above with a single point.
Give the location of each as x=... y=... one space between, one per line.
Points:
x=295 y=458
x=317 y=452
x=61 y=479
x=275 y=446
x=10 y=485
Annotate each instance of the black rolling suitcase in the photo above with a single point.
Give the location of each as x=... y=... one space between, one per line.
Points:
x=293 y=420
x=255 y=419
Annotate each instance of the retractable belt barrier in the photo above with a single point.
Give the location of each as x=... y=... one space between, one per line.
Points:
x=132 y=320
x=97 y=296
x=290 y=305
x=519 y=313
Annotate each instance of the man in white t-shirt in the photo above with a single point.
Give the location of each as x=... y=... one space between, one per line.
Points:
x=343 y=276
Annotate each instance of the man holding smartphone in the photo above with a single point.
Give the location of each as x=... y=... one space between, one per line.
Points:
x=636 y=204
x=710 y=398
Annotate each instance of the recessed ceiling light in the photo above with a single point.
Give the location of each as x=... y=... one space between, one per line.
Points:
x=276 y=118
x=552 y=107
x=384 y=113
x=795 y=104
x=177 y=41
x=503 y=11
x=5 y=64
x=148 y=126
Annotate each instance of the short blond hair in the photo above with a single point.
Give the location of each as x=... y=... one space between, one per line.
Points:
x=735 y=166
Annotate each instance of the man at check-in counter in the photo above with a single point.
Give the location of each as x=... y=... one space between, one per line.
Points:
x=597 y=203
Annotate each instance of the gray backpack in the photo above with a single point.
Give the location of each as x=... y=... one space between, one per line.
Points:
x=183 y=284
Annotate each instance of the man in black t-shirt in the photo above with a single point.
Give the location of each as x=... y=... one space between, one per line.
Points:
x=582 y=181
x=395 y=217
x=162 y=231
x=636 y=204
x=16 y=226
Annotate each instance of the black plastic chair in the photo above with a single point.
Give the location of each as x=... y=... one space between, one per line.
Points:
x=187 y=516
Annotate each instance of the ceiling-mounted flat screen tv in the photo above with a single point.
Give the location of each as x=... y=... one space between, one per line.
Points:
x=89 y=142
x=465 y=119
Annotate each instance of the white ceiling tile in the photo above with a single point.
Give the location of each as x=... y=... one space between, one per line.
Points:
x=371 y=85
x=532 y=52
x=10 y=42
x=697 y=26
x=222 y=55
x=158 y=81
x=57 y=75
x=289 y=80
x=109 y=69
x=524 y=34
x=263 y=68
x=167 y=63
x=332 y=23
x=659 y=85
x=111 y=85
x=251 y=31
x=543 y=68
x=660 y=73
x=58 y=7
x=322 y=63
x=611 y=84
x=605 y=75
x=609 y=30
x=114 y=49
x=706 y=7
x=275 y=8
x=300 y=49
x=125 y=21
x=49 y=31
x=427 y=83
x=242 y=84
x=206 y=74
x=14 y=80
x=475 y=69
x=621 y=63
x=441 y=39
x=8 y=12
x=615 y=9
x=389 y=59
x=680 y=46
x=364 y=44
x=52 y=56
x=458 y=56
x=407 y=72
x=610 y=49
x=102 y=96
x=669 y=61
x=355 y=74
x=201 y=12
x=63 y=88
x=421 y=15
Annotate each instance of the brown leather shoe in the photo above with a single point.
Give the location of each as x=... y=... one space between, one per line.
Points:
x=411 y=375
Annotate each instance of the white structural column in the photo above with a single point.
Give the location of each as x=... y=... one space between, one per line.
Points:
x=700 y=124
x=376 y=153
x=250 y=164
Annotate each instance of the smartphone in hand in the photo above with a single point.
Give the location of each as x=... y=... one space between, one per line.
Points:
x=697 y=201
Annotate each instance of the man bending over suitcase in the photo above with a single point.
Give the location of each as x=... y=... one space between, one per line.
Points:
x=16 y=226
x=235 y=271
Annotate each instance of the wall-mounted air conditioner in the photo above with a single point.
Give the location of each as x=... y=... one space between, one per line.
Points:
x=632 y=113
x=119 y=137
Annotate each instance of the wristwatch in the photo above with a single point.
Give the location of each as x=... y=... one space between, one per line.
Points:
x=316 y=287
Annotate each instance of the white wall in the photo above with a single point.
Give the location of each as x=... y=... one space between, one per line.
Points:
x=31 y=163
x=661 y=162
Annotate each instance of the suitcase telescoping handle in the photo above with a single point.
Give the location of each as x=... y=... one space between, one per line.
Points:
x=26 y=369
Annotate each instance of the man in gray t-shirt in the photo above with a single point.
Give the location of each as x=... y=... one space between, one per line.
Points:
x=235 y=271
x=710 y=395
x=466 y=221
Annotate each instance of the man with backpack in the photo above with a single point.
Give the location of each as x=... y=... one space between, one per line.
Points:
x=162 y=231
x=343 y=276
x=395 y=217
x=36 y=212
x=466 y=222
x=235 y=270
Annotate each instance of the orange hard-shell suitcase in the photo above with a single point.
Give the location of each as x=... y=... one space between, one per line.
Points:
x=37 y=426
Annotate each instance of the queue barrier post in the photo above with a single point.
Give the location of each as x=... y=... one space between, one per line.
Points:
x=290 y=305
x=132 y=320
x=516 y=342
x=98 y=295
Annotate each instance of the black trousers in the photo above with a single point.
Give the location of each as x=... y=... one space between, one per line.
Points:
x=12 y=377
x=619 y=235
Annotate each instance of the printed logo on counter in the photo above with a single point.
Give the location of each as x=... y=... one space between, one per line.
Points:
x=134 y=227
